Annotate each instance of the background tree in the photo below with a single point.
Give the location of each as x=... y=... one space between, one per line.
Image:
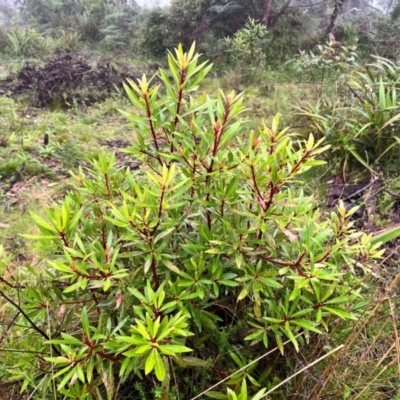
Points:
x=335 y=14
x=86 y=18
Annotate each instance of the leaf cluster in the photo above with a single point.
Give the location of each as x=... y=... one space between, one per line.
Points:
x=361 y=124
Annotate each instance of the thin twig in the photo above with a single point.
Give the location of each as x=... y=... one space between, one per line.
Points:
x=10 y=324
x=33 y=325
x=53 y=381
x=396 y=335
x=302 y=370
x=176 y=382
x=358 y=328
x=246 y=366
x=36 y=388
x=373 y=380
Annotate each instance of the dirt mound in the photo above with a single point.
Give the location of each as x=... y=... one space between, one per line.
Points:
x=65 y=80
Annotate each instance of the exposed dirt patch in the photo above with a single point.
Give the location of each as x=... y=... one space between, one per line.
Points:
x=68 y=79
x=123 y=159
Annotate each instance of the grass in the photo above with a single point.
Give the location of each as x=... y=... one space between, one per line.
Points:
x=33 y=174
x=368 y=366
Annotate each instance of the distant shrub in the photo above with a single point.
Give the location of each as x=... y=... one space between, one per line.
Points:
x=362 y=121
x=246 y=50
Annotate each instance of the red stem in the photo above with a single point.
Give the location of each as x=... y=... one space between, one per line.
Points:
x=154 y=271
x=107 y=185
x=63 y=238
x=152 y=130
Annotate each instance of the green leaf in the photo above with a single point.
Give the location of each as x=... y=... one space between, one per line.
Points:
x=309 y=325
x=58 y=360
x=171 y=349
x=259 y=395
x=137 y=294
x=290 y=335
x=386 y=236
x=271 y=282
x=361 y=160
x=244 y=292
x=85 y=322
x=39 y=237
x=41 y=223
x=66 y=378
x=163 y=234
x=254 y=335
x=60 y=267
x=79 y=373
x=159 y=366
x=237 y=360
x=243 y=390
x=140 y=328
x=228 y=283
x=216 y=395
x=340 y=313
x=187 y=361
x=76 y=219
x=150 y=361
x=73 y=287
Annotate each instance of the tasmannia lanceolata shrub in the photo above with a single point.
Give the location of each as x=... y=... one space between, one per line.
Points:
x=145 y=267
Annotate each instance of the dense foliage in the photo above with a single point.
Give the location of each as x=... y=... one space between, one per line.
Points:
x=111 y=25
x=146 y=269
x=212 y=266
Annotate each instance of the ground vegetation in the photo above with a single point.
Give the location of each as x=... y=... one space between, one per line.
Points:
x=178 y=225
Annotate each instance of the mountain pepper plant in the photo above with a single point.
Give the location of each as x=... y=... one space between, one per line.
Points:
x=211 y=234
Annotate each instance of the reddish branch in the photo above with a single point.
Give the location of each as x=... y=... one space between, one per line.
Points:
x=218 y=131
x=101 y=353
x=260 y=197
x=103 y=275
x=107 y=184
x=296 y=265
x=149 y=117
x=222 y=207
x=154 y=271
x=63 y=238
x=103 y=238
x=298 y=165
x=160 y=206
x=10 y=324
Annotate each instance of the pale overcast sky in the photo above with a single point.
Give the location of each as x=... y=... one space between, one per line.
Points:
x=153 y=3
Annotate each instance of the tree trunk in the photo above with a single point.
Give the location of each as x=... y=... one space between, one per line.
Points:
x=267 y=10
x=336 y=11
x=280 y=13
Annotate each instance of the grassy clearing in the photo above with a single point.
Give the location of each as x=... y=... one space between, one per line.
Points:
x=34 y=174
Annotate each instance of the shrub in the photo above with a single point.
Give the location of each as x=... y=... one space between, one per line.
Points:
x=330 y=60
x=246 y=50
x=157 y=34
x=361 y=123
x=148 y=266
x=26 y=42
x=89 y=21
x=376 y=33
